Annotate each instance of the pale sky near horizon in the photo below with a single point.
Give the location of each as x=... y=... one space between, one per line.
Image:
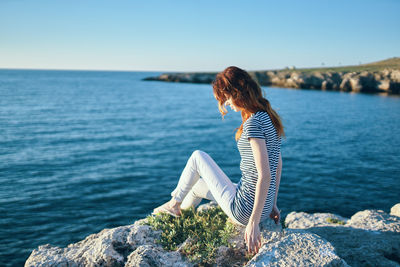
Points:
x=196 y=35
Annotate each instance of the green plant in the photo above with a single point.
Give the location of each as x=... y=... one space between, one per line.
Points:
x=207 y=231
x=336 y=221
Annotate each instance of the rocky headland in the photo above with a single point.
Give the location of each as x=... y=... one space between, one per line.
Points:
x=377 y=77
x=368 y=238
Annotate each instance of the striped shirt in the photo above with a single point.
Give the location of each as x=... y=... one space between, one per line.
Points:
x=259 y=125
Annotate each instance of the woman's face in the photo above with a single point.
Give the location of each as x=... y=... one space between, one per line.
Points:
x=230 y=103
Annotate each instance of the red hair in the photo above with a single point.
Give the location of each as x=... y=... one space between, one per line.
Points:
x=246 y=94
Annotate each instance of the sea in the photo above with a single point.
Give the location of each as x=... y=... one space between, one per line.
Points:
x=81 y=151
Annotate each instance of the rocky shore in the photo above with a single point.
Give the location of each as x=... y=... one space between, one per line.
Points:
x=368 y=78
x=368 y=238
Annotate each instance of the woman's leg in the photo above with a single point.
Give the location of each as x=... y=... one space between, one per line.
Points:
x=193 y=198
x=196 y=194
x=200 y=164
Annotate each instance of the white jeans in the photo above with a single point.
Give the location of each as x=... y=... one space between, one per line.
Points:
x=203 y=178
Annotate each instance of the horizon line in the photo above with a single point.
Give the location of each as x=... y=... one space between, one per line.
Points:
x=199 y=71
x=163 y=71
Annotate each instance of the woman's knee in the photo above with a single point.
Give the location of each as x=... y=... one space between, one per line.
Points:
x=198 y=153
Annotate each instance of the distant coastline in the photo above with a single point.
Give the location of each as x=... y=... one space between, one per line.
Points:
x=377 y=77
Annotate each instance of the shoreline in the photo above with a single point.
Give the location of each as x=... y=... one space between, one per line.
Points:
x=369 y=237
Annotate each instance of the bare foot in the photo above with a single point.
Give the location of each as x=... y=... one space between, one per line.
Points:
x=170 y=207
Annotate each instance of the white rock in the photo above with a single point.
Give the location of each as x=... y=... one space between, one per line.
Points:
x=384 y=85
x=297 y=248
x=369 y=238
x=376 y=220
x=149 y=255
x=107 y=248
x=395 y=210
x=302 y=220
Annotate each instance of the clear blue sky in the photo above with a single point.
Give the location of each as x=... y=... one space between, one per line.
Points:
x=196 y=35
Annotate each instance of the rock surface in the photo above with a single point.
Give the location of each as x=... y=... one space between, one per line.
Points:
x=297 y=249
x=302 y=220
x=111 y=247
x=395 y=210
x=384 y=81
x=368 y=238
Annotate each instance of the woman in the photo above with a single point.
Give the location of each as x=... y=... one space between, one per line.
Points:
x=259 y=143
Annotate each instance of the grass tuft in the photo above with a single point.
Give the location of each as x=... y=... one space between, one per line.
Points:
x=336 y=221
x=207 y=231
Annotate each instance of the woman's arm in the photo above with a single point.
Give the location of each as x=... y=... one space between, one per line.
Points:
x=264 y=177
x=278 y=177
x=252 y=234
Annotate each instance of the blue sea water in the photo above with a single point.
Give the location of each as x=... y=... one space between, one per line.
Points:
x=81 y=151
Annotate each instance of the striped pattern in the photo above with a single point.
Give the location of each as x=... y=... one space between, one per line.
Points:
x=259 y=125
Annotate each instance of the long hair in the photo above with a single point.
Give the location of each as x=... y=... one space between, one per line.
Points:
x=246 y=94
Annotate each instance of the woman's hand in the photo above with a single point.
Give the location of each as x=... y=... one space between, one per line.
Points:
x=275 y=214
x=252 y=237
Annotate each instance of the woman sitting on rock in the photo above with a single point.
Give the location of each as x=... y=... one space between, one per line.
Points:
x=258 y=138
